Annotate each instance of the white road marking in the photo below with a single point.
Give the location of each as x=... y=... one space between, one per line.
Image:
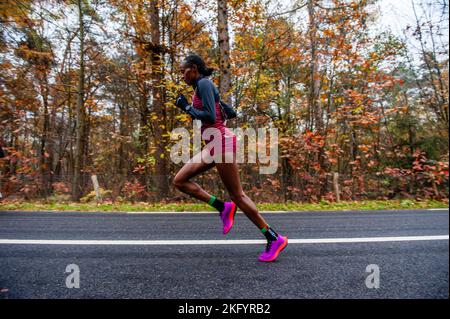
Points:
x=289 y=211
x=216 y=242
x=238 y=212
x=213 y=212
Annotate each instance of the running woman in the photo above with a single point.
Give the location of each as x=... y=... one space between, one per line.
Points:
x=205 y=107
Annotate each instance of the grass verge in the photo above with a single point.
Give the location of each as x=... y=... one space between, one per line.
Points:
x=195 y=207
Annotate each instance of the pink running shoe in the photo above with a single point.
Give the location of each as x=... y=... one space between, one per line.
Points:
x=227 y=216
x=273 y=248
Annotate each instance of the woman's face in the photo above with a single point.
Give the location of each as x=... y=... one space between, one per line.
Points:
x=190 y=72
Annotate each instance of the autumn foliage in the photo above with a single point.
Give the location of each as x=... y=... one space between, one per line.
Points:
x=345 y=97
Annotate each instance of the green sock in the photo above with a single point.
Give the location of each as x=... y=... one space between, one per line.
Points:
x=269 y=233
x=216 y=203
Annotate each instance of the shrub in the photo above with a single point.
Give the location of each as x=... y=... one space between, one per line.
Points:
x=133 y=191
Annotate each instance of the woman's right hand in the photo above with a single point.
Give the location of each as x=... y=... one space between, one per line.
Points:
x=181 y=102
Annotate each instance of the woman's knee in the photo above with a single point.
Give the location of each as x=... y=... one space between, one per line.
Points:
x=237 y=197
x=178 y=182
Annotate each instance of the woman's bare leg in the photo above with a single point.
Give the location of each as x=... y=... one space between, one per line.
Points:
x=191 y=169
x=230 y=177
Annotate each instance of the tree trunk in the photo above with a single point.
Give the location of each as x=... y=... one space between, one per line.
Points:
x=224 y=51
x=314 y=90
x=45 y=156
x=80 y=115
x=161 y=174
x=314 y=107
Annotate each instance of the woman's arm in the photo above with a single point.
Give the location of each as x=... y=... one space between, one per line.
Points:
x=206 y=93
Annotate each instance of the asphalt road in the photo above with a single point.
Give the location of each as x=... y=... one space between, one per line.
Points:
x=189 y=268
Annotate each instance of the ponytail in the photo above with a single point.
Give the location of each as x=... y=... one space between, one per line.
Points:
x=201 y=66
x=208 y=71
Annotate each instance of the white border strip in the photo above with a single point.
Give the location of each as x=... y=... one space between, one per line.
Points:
x=216 y=242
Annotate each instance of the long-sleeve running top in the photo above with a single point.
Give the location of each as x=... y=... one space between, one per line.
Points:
x=209 y=96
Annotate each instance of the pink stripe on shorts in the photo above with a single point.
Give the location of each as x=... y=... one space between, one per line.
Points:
x=228 y=138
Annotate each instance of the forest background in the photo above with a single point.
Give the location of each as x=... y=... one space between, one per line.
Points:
x=361 y=108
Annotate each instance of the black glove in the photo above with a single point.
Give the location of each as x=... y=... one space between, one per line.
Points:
x=182 y=102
